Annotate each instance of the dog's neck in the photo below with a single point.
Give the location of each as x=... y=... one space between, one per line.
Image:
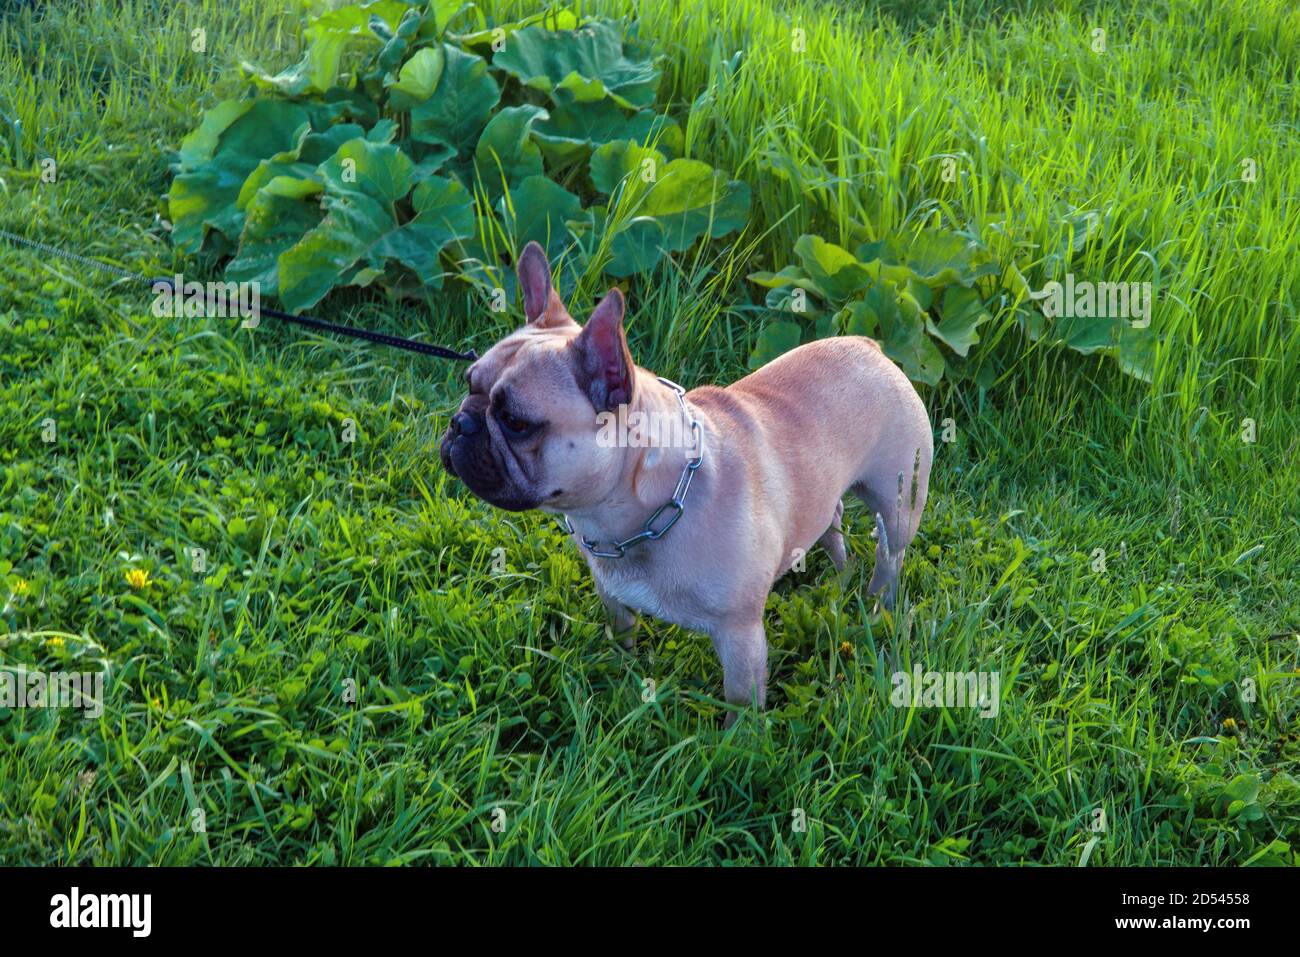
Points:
x=648 y=475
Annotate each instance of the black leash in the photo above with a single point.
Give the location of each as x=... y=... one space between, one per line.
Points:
x=369 y=335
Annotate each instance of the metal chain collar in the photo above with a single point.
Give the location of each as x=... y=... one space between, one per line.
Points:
x=677 y=503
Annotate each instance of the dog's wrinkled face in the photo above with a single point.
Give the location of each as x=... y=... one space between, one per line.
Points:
x=526 y=435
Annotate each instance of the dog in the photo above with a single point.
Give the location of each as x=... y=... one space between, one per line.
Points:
x=693 y=531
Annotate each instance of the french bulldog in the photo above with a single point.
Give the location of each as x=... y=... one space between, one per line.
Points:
x=753 y=475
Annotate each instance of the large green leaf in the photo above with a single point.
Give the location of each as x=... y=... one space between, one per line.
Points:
x=788 y=276
x=902 y=331
x=418 y=78
x=359 y=166
x=464 y=15
x=691 y=199
x=444 y=213
x=328 y=37
x=300 y=162
x=583 y=65
x=538 y=211
x=1137 y=351
x=217 y=158
x=505 y=155
x=835 y=272
x=575 y=128
x=361 y=233
x=935 y=257
x=342 y=103
x=775 y=339
x=1087 y=334
x=277 y=217
x=318 y=262
x=794 y=299
x=362 y=182
x=456 y=113
x=635 y=247
x=199 y=146
x=858 y=319
x=963 y=311
x=686 y=197
x=634 y=244
x=636 y=168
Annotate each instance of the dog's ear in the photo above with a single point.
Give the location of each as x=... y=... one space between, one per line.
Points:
x=535 y=281
x=604 y=367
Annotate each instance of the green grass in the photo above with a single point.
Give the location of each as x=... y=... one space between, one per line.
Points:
x=484 y=678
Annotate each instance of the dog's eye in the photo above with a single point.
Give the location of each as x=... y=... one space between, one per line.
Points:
x=514 y=426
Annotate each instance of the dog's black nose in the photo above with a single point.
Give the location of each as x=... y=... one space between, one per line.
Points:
x=462 y=423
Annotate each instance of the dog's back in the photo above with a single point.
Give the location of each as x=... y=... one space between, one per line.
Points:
x=788 y=419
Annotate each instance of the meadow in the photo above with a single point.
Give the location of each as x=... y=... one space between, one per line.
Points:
x=369 y=666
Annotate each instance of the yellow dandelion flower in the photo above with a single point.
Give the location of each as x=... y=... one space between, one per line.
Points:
x=846 y=649
x=138 y=578
x=1229 y=724
x=54 y=642
x=21 y=586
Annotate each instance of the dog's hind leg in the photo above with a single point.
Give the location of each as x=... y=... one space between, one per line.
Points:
x=889 y=564
x=833 y=538
x=897 y=507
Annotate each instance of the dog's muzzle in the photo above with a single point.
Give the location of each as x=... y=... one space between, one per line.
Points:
x=463 y=425
x=466 y=452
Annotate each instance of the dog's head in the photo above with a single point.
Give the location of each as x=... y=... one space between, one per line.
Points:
x=526 y=435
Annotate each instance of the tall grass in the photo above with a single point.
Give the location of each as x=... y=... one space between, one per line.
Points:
x=1153 y=135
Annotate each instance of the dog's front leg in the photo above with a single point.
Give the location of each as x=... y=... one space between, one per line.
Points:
x=622 y=620
x=742 y=647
